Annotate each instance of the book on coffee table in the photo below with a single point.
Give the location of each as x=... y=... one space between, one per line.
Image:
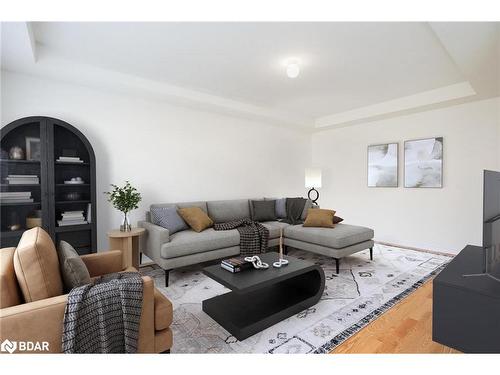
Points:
x=236 y=265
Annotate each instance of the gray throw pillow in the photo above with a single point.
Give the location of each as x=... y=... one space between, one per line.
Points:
x=169 y=218
x=264 y=210
x=250 y=205
x=307 y=206
x=74 y=272
x=281 y=208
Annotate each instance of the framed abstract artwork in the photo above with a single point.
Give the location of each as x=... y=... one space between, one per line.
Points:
x=33 y=148
x=424 y=163
x=383 y=165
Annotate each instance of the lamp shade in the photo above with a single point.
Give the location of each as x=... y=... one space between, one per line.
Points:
x=313 y=177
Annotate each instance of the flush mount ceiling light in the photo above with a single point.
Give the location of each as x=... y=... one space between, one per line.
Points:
x=292 y=69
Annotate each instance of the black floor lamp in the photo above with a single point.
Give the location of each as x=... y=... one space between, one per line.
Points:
x=313 y=181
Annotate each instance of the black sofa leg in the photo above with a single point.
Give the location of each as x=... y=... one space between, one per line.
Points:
x=166 y=352
x=285 y=250
x=140 y=259
x=337 y=265
x=371 y=253
x=167 y=272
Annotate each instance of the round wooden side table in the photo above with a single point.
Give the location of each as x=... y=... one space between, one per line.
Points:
x=128 y=243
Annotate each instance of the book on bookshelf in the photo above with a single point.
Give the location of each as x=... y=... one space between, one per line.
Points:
x=69 y=159
x=22 y=179
x=16 y=197
x=62 y=223
x=15 y=194
x=72 y=218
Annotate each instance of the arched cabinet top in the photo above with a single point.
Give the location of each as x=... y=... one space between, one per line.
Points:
x=50 y=120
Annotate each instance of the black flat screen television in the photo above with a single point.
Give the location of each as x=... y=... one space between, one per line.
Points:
x=491 y=223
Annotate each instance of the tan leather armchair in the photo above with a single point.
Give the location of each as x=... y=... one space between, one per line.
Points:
x=32 y=302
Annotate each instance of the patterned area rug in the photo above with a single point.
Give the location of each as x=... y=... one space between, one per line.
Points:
x=362 y=291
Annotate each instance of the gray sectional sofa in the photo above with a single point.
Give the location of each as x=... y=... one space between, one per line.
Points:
x=188 y=247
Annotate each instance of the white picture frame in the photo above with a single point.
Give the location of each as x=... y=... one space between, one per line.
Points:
x=424 y=163
x=383 y=165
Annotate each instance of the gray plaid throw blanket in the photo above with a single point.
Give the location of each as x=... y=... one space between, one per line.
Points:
x=103 y=316
x=253 y=235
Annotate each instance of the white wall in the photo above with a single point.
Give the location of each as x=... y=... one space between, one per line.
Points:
x=440 y=219
x=169 y=153
x=173 y=153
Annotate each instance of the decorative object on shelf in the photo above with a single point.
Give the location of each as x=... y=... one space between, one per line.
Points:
x=257 y=263
x=16 y=153
x=14 y=223
x=73 y=196
x=313 y=180
x=14 y=227
x=75 y=181
x=424 y=163
x=281 y=261
x=383 y=165
x=124 y=199
x=33 y=148
x=34 y=219
x=89 y=213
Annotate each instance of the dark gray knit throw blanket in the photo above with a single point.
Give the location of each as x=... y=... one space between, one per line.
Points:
x=294 y=208
x=103 y=316
x=253 y=235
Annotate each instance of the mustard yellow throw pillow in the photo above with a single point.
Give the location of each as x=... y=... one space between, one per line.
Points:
x=318 y=217
x=196 y=218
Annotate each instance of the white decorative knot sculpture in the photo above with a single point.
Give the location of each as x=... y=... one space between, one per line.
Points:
x=257 y=263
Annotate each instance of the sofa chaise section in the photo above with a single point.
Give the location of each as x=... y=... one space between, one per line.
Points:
x=339 y=242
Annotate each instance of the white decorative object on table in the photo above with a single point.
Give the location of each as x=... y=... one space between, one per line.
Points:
x=257 y=263
x=281 y=261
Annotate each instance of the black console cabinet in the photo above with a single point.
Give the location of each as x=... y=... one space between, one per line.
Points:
x=51 y=197
x=466 y=310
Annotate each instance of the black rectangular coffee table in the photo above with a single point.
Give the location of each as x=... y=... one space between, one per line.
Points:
x=262 y=298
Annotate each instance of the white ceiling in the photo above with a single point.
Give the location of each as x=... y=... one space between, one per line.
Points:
x=345 y=67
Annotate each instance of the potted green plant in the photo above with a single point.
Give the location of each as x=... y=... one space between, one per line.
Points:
x=124 y=199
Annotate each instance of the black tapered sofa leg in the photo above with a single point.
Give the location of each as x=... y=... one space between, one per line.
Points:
x=337 y=264
x=167 y=272
x=371 y=253
x=166 y=352
x=140 y=259
x=285 y=250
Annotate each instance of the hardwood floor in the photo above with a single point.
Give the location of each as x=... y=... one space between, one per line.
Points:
x=406 y=328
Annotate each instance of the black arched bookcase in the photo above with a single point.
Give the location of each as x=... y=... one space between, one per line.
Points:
x=43 y=140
